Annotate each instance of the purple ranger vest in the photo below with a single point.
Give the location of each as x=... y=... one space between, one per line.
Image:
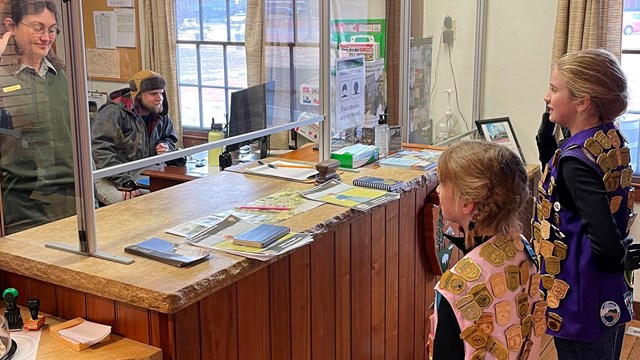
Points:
x=582 y=300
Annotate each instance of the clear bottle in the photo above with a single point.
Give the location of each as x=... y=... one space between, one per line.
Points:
x=382 y=136
x=215 y=134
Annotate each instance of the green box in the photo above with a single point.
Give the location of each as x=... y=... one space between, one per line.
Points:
x=347 y=161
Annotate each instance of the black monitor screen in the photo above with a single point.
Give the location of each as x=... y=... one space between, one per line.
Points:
x=251 y=110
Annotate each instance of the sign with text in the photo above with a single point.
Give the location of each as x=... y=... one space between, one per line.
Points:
x=349 y=93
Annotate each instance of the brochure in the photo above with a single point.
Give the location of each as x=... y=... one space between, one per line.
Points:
x=168 y=252
x=338 y=193
x=417 y=160
x=284 y=244
x=220 y=237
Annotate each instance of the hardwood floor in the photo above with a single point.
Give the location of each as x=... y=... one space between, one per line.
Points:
x=630 y=346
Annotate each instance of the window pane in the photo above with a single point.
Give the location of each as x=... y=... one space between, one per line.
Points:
x=237 y=20
x=308 y=21
x=632 y=70
x=630 y=122
x=213 y=106
x=188 y=19
x=189 y=106
x=279 y=69
x=212 y=65
x=187 y=64
x=279 y=22
x=307 y=75
x=215 y=20
x=237 y=66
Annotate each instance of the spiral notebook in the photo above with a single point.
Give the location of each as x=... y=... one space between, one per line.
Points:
x=378 y=183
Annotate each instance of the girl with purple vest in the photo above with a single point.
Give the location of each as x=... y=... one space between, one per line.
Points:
x=585 y=208
x=488 y=305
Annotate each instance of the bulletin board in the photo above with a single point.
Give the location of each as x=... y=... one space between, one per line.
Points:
x=102 y=64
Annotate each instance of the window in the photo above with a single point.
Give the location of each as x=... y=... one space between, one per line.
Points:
x=630 y=121
x=211 y=59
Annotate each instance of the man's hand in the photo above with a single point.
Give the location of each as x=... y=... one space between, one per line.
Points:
x=4 y=40
x=162 y=148
x=632 y=254
x=126 y=195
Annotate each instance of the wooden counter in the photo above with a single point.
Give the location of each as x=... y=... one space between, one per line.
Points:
x=360 y=290
x=116 y=347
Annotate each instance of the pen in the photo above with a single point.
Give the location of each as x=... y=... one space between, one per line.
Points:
x=260 y=207
x=264 y=163
x=349 y=170
x=275 y=166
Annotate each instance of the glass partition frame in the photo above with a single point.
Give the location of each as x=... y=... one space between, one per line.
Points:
x=84 y=174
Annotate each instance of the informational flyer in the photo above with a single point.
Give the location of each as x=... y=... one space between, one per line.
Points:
x=350 y=89
x=120 y=3
x=126 y=26
x=103 y=63
x=104 y=23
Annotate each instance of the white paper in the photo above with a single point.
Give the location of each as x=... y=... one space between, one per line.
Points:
x=285 y=170
x=126 y=25
x=104 y=26
x=86 y=332
x=28 y=343
x=103 y=63
x=120 y=3
x=349 y=93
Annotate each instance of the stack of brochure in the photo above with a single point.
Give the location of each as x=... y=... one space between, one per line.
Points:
x=341 y=194
x=221 y=237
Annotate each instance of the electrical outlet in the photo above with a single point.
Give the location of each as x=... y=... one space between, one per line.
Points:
x=447 y=37
x=448 y=34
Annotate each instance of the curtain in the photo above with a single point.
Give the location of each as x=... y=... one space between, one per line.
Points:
x=587 y=24
x=258 y=56
x=160 y=51
x=254 y=42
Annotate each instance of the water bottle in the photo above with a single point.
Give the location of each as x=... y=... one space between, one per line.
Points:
x=214 y=135
x=382 y=136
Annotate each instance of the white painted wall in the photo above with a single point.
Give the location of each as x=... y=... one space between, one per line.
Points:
x=517 y=61
x=463 y=14
x=517 y=65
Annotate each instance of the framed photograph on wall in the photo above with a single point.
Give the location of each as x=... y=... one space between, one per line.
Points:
x=500 y=131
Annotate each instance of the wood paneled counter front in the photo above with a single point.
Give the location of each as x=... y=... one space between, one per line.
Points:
x=360 y=290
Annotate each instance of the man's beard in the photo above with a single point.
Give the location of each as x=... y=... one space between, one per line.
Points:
x=152 y=108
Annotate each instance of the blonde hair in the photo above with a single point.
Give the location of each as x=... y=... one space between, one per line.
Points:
x=492 y=177
x=596 y=73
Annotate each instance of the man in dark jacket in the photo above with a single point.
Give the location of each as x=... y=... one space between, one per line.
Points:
x=132 y=125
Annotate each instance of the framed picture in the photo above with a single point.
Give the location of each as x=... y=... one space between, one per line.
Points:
x=499 y=131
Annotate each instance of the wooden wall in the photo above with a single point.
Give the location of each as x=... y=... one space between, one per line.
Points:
x=360 y=291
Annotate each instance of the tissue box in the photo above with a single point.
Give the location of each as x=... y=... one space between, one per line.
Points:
x=354 y=156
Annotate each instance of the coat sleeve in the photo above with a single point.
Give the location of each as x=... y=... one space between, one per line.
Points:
x=167 y=133
x=170 y=137
x=105 y=132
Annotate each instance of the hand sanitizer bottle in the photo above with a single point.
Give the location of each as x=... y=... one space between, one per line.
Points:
x=382 y=136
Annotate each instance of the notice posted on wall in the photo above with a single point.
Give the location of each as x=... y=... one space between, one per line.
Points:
x=103 y=63
x=350 y=89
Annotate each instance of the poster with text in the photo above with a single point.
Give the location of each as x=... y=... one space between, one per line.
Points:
x=350 y=88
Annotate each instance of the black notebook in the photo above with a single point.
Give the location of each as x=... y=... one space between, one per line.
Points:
x=261 y=236
x=378 y=183
x=168 y=252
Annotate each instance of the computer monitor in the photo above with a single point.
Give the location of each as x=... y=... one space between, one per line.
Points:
x=251 y=110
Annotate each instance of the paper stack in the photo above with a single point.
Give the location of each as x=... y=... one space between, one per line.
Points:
x=86 y=332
